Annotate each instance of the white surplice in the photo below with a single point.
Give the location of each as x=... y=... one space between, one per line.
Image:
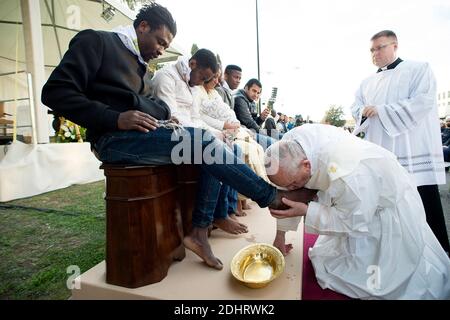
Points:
x=407 y=123
x=374 y=242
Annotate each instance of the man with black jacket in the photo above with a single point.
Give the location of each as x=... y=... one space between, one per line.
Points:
x=99 y=84
x=246 y=111
x=231 y=80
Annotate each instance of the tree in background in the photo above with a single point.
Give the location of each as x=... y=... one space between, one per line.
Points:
x=133 y=3
x=334 y=116
x=218 y=59
x=194 y=49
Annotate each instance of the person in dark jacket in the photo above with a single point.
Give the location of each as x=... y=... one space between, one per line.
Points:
x=229 y=82
x=245 y=105
x=246 y=111
x=270 y=124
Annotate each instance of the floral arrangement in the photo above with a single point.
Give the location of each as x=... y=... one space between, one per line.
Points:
x=70 y=132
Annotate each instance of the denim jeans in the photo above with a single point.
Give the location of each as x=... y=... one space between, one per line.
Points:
x=212 y=200
x=264 y=141
x=232 y=195
x=232 y=201
x=161 y=146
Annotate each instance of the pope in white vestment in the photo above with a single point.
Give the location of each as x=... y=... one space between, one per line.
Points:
x=374 y=241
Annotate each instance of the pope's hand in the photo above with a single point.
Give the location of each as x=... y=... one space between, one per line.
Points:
x=297 y=209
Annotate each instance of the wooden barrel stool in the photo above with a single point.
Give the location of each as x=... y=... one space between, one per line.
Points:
x=144 y=229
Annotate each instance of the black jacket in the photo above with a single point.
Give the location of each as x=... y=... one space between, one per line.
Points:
x=246 y=111
x=97 y=79
x=226 y=95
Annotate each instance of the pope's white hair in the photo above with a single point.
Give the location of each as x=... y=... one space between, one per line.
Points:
x=283 y=155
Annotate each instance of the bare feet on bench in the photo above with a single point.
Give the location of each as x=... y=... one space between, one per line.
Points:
x=197 y=242
x=300 y=195
x=230 y=226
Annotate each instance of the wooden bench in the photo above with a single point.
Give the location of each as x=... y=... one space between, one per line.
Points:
x=148 y=212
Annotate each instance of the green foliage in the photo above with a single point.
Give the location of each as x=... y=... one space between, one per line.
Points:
x=334 y=116
x=132 y=4
x=70 y=132
x=194 y=49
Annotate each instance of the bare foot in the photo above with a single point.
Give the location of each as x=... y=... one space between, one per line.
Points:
x=280 y=243
x=230 y=226
x=245 y=205
x=233 y=216
x=300 y=195
x=284 y=248
x=198 y=243
x=240 y=212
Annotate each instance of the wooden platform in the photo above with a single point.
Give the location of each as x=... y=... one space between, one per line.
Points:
x=192 y=279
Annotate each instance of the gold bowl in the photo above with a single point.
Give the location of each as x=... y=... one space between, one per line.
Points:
x=257 y=265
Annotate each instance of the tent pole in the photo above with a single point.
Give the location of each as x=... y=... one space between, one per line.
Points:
x=257 y=51
x=32 y=30
x=32 y=111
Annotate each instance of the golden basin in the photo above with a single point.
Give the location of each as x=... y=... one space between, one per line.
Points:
x=257 y=265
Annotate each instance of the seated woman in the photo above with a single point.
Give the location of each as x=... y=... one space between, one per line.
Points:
x=217 y=114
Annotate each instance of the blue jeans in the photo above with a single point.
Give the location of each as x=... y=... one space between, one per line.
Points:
x=264 y=141
x=160 y=147
x=212 y=200
x=232 y=201
x=232 y=195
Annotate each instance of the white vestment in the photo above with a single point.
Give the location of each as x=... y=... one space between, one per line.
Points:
x=374 y=241
x=407 y=123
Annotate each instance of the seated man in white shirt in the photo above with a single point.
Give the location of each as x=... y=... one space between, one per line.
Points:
x=174 y=85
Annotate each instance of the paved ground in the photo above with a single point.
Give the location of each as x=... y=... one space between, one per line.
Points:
x=444 y=190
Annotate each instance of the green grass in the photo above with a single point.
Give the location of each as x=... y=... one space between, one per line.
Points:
x=64 y=228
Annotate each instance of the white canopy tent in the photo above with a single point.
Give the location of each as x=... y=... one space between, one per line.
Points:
x=25 y=49
x=35 y=35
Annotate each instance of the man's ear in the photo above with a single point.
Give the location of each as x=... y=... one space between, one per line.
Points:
x=192 y=64
x=305 y=163
x=143 y=26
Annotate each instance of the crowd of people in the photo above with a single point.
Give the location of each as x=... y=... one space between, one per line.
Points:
x=445 y=132
x=372 y=203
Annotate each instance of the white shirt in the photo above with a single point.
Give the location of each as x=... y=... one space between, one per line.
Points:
x=213 y=111
x=407 y=123
x=171 y=84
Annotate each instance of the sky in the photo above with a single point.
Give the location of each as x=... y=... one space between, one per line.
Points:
x=315 y=52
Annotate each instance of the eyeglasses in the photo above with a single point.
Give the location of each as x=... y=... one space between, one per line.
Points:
x=372 y=50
